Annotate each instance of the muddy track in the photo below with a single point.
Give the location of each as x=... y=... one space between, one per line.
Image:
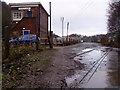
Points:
x=82 y=53
x=59 y=67
x=93 y=68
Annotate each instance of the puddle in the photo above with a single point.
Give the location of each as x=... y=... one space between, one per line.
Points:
x=106 y=75
x=74 y=79
x=89 y=58
x=106 y=81
x=86 y=50
x=71 y=80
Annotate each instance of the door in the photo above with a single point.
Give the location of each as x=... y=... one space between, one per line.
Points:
x=25 y=32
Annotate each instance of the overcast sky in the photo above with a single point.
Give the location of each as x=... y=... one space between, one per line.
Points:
x=86 y=17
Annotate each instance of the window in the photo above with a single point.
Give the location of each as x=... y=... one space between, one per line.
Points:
x=29 y=13
x=17 y=15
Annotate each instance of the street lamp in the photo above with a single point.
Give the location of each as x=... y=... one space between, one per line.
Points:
x=67 y=31
x=62 y=19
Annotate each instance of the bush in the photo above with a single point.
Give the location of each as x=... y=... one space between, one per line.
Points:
x=104 y=41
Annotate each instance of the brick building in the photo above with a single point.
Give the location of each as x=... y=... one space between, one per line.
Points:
x=29 y=18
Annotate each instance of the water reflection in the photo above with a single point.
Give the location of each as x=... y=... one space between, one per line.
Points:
x=119 y=68
x=113 y=65
x=113 y=78
x=86 y=50
x=107 y=74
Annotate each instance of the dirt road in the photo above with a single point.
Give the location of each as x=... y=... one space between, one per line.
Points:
x=62 y=65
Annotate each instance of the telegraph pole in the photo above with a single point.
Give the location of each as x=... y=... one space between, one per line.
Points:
x=67 y=31
x=50 y=18
x=51 y=39
x=62 y=19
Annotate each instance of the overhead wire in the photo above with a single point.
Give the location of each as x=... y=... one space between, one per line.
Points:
x=84 y=8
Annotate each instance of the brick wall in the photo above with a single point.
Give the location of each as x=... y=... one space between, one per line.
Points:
x=27 y=23
x=31 y=23
x=43 y=23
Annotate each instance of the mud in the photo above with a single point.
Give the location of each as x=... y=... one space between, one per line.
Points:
x=62 y=71
x=105 y=74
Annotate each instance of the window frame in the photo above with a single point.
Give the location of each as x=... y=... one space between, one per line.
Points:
x=15 y=18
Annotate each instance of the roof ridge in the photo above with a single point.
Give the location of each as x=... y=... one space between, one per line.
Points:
x=25 y=3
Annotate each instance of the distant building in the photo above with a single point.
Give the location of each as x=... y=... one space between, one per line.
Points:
x=57 y=40
x=74 y=37
x=25 y=19
x=95 y=38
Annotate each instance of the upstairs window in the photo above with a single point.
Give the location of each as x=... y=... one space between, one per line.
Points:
x=17 y=15
x=29 y=13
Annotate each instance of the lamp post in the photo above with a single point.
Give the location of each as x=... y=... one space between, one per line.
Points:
x=67 y=31
x=62 y=19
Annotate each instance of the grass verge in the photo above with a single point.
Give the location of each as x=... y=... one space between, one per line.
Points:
x=13 y=68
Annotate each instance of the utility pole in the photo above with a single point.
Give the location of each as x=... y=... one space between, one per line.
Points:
x=62 y=19
x=67 y=31
x=51 y=39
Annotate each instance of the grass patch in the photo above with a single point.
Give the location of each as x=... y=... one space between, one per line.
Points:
x=14 y=66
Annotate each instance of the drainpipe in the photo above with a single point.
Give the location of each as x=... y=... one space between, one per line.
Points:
x=38 y=32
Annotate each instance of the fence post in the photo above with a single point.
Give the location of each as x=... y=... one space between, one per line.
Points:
x=7 y=45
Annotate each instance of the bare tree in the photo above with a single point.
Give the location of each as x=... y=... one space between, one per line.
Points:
x=114 y=19
x=114 y=16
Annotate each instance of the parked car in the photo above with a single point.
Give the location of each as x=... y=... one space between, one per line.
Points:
x=24 y=39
